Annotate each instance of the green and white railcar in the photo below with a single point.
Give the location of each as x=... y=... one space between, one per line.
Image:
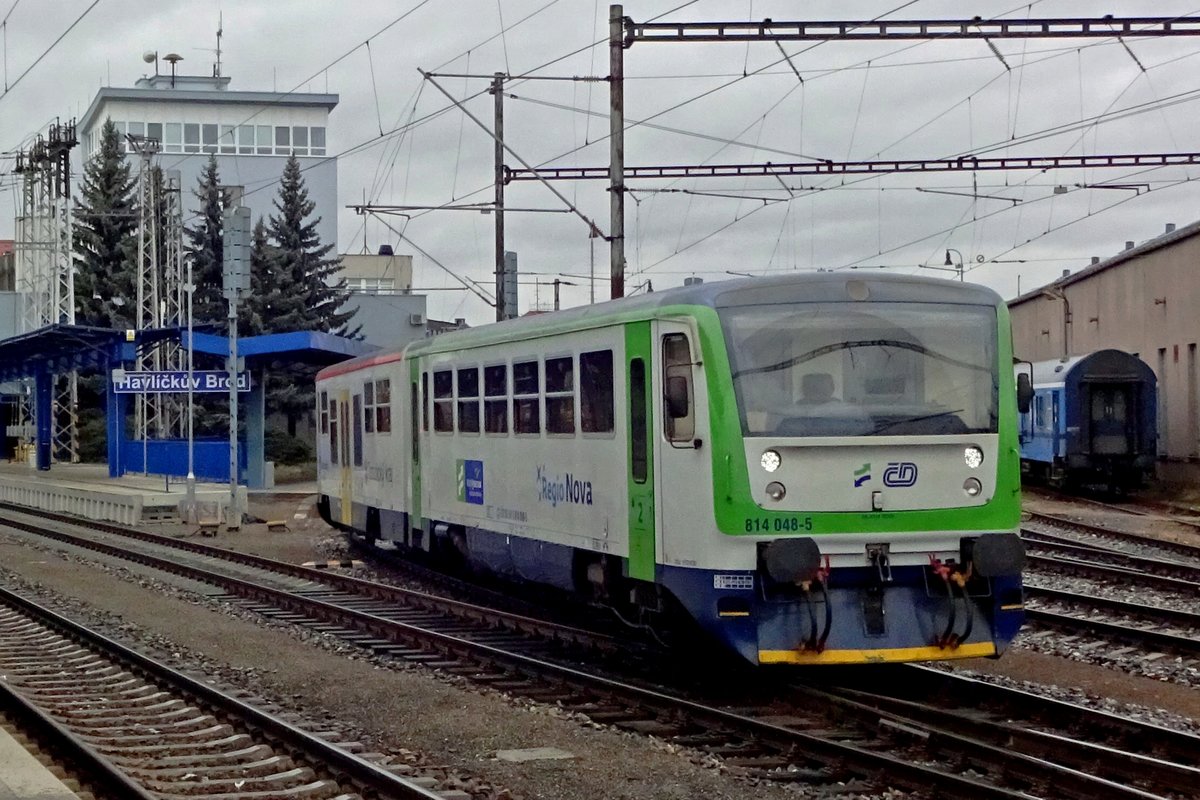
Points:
x=816 y=468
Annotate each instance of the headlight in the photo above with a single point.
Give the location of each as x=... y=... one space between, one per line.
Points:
x=771 y=460
x=972 y=487
x=973 y=456
x=775 y=490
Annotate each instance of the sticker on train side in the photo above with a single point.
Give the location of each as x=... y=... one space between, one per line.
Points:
x=778 y=524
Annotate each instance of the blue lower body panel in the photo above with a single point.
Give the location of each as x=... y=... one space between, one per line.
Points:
x=860 y=620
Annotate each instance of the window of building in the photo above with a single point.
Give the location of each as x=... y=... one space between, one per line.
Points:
x=317 y=135
x=526 y=411
x=369 y=406
x=300 y=140
x=358 y=431
x=191 y=137
x=208 y=137
x=596 y=391
x=263 y=140
x=443 y=401
x=283 y=139
x=383 y=406
x=154 y=130
x=323 y=412
x=560 y=395
x=495 y=402
x=468 y=400
x=173 y=137
x=228 y=145
x=136 y=129
x=245 y=137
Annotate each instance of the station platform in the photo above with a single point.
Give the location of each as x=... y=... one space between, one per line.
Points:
x=23 y=777
x=87 y=491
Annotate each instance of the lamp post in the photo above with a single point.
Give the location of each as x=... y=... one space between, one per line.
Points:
x=959 y=265
x=190 y=513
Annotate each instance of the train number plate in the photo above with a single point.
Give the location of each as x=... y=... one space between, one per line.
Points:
x=733 y=581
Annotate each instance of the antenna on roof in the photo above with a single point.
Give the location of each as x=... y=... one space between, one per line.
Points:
x=220 y=32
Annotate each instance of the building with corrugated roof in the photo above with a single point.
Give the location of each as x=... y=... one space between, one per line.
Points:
x=1144 y=300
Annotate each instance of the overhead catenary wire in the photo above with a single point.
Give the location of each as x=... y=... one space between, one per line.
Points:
x=8 y=87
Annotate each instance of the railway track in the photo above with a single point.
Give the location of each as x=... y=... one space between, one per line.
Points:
x=1140 y=507
x=139 y=730
x=1147 y=544
x=845 y=740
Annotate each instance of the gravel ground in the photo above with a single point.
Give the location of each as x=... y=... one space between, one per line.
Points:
x=413 y=713
x=1147 y=525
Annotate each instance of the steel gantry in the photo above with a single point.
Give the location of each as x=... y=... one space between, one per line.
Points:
x=44 y=264
x=624 y=33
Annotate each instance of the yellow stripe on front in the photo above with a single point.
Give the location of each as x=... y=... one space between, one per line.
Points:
x=733 y=613
x=1013 y=607
x=928 y=653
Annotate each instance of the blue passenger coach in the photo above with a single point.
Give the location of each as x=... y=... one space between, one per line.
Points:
x=1092 y=422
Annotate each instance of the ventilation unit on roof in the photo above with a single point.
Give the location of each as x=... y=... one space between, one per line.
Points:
x=416 y=319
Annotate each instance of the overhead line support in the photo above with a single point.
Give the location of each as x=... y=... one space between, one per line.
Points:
x=891 y=166
x=873 y=30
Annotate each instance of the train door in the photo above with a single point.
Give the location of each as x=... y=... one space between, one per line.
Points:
x=1110 y=419
x=680 y=461
x=639 y=358
x=343 y=444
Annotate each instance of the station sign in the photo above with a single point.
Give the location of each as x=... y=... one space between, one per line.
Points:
x=203 y=380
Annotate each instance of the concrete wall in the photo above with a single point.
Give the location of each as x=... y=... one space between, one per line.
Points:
x=388 y=320
x=10 y=314
x=1145 y=305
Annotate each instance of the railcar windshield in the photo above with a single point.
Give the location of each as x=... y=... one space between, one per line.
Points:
x=863 y=369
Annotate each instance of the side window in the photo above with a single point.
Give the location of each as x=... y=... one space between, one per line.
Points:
x=333 y=431
x=526 y=411
x=495 y=399
x=383 y=406
x=468 y=400
x=358 y=431
x=323 y=411
x=560 y=395
x=596 y=391
x=679 y=419
x=369 y=406
x=638 y=445
x=443 y=401
x=424 y=401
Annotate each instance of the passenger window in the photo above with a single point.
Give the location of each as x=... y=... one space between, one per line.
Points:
x=560 y=395
x=333 y=431
x=638 y=444
x=358 y=431
x=679 y=419
x=443 y=401
x=495 y=403
x=596 y=391
x=526 y=413
x=468 y=400
x=323 y=411
x=383 y=407
x=369 y=406
x=424 y=401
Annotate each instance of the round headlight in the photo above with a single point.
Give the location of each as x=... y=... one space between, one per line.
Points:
x=771 y=460
x=972 y=487
x=973 y=456
x=775 y=490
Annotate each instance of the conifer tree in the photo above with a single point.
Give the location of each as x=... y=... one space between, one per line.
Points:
x=205 y=248
x=304 y=277
x=105 y=232
x=256 y=311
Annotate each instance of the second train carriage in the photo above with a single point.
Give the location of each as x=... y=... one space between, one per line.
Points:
x=1093 y=422
x=816 y=469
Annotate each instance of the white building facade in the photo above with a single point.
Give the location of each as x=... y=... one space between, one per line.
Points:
x=251 y=135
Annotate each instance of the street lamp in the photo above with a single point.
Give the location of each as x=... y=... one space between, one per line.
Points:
x=950 y=263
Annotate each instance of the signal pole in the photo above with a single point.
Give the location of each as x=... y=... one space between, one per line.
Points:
x=616 y=151
x=236 y=274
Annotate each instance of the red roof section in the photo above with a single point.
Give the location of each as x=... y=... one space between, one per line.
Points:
x=355 y=364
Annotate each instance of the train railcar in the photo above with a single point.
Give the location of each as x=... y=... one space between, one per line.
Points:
x=816 y=469
x=1092 y=422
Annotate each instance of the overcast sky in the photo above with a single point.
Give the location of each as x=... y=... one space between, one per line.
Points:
x=857 y=101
